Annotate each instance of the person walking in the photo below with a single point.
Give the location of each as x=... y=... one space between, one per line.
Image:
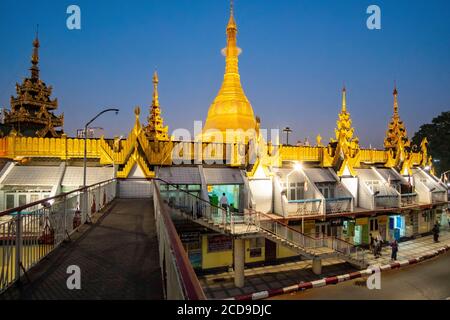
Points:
x=380 y=244
x=371 y=242
x=375 y=248
x=224 y=203
x=436 y=232
x=394 y=246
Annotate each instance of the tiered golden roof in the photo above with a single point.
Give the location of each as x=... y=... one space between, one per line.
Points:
x=31 y=111
x=346 y=153
x=231 y=109
x=155 y=129
x=396 y=134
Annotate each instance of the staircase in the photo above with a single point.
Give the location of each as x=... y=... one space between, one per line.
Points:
x=256 y=224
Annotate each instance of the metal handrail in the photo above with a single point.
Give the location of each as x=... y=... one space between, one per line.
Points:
x=193 y=289
x=46 y=200
x=304 y=200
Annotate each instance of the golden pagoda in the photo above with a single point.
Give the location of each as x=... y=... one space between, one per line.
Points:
x=31 y=111
x=346 y=154
x=396 y=135
x=231 y=108
x=155 y=129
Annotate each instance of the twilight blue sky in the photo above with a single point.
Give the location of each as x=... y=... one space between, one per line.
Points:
x=296 y=56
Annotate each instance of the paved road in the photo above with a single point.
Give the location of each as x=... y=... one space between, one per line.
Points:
x=118 y=257
x=428 y=280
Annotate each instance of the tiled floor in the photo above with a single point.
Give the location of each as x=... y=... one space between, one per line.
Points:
x=410 y=249
x=220 y=286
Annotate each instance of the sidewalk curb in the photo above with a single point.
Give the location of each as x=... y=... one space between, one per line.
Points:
x=337 y=279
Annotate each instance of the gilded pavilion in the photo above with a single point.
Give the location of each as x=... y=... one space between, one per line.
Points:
x=336 y=189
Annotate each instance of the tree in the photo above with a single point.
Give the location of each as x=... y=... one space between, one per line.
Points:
x=438 y=134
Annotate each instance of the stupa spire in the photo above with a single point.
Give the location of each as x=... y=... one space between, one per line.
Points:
x=155 y=129
x=231 y=108
x=395 y=93
x=35 y=57
x=396 y=135
x=344 y=99
x=155 y=101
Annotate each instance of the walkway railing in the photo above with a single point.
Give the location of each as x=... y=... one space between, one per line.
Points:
x=180 y=280
x=287 y=233
x=408 y=199
x=386 y=201
x=337 y=205
x=304 y=207
x=199 y=209
x=30 y=232
x=438 y=196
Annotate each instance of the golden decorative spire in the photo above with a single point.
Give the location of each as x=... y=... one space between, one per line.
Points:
x=155 y=129
x=344 y=124
x=344 y=100
x=231 y=108
x=396 y=135
x=35 y=57
x=155 y=90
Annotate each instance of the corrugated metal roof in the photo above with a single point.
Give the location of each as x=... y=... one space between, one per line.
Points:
x=282 y=173
x=389 y=174
x=317 y=175
x=223 y=176
x=367 y=174
x=180 y=175
x=427 y=180
x=32 y=176
x=73 y=177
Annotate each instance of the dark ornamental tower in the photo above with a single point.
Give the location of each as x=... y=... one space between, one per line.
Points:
x=31 y=113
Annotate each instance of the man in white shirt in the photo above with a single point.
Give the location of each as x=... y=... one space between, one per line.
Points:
x=224 y=202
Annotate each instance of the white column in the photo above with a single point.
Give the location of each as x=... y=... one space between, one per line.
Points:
x=317 y=266
x=239 y=260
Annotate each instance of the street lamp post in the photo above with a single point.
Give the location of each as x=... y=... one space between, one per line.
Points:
x=85 y=140
x=287 y=130
x=85 y=152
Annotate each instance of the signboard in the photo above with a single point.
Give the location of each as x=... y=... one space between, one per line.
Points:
x=382 y=219
x=336 y=222
x=190 y=237
x=362 y=221
x=219 y=243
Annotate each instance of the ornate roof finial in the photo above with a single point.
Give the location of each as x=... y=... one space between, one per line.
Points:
x=35 y=56
x=395 y=93
x=344 y=99
x=231 y=23
x=155 y=89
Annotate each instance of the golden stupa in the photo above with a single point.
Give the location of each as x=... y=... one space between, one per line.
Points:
x=231 y=109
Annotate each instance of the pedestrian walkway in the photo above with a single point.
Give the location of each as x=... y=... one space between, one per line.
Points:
x=221 y=286
x=117 y=255
x=410 y=249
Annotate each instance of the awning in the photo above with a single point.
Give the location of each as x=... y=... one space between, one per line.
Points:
x=368 y=175
x=216 y=176
x=318 y=175
x=180 y=175
x=389 y=174
x=32 y=176
x=73 y=176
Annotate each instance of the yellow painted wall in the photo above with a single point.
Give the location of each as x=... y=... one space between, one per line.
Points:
x=249 y=259
x=283 y=252
x=215 y=259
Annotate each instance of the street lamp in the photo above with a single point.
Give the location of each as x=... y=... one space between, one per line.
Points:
x=287 y=130
x=85 y=140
